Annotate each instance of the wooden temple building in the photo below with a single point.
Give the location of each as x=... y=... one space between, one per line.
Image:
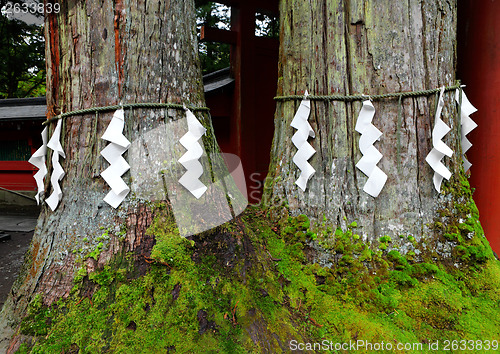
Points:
x=20 y=127
x=243 y=111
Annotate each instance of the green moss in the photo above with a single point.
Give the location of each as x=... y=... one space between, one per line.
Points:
x=23 y=349
x=423 y=270
x=96 y=252
x=302 y=222
x=80 y=274
x=366 y=254
x=462 y=227
x=385 y=239
x=403 y=279
x=249 y=286
x=171 y=248
x=397 y=259
x=38 y=319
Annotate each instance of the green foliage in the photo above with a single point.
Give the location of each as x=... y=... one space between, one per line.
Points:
x=266 y=25
x=213 y=55
x=22 y=58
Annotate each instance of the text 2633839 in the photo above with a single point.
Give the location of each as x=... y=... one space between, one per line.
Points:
x=31 y=8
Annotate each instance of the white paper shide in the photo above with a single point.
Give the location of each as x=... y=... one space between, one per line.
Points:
x=58 y=172
x=190 y=160
x=371 y=156
x=118 y=144
x=38 y=160
x=440 y=149
x=304 y=150
x=466 y=109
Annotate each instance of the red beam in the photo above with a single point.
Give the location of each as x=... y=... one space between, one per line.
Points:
x=16 y=166
x=217 y=35
x=479 y=68
x=271 y=5
x=266 y=43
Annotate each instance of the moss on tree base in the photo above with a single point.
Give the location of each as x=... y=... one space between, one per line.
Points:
x=251 y=286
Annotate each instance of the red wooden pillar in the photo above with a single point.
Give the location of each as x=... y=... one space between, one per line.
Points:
x=243 y=23
x=254 y=66
x=255 y=69
x=479 y=69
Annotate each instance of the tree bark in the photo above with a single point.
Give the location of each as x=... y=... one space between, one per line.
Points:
x=255 y=285
x=100 y=54
x=365 y=47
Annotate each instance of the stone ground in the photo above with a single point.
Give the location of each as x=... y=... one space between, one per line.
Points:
x=11 y=257
x=16 y=231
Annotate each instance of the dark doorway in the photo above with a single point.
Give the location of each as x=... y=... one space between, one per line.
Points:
x=243 y=109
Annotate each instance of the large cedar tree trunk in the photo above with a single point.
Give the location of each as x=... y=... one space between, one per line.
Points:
x=101 y=54
x=254 y=284
x=365 y=47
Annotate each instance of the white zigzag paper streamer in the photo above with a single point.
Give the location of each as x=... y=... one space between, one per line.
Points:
x=58 y=172
x=38 y=160
x=440 y=149
x=468 y=125
x=190 y=160
x=117 y=164
x=299 y=139
x=371 y=156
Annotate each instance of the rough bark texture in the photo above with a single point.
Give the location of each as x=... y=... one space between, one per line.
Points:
x=100 y=54
x=254 y=285
x=365 y=47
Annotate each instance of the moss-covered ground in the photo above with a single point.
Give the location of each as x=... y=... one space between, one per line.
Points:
x=256 y=286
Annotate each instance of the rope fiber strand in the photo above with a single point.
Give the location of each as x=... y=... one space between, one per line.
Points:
x=347 y=98
x=350 y=98
x=124 y=106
